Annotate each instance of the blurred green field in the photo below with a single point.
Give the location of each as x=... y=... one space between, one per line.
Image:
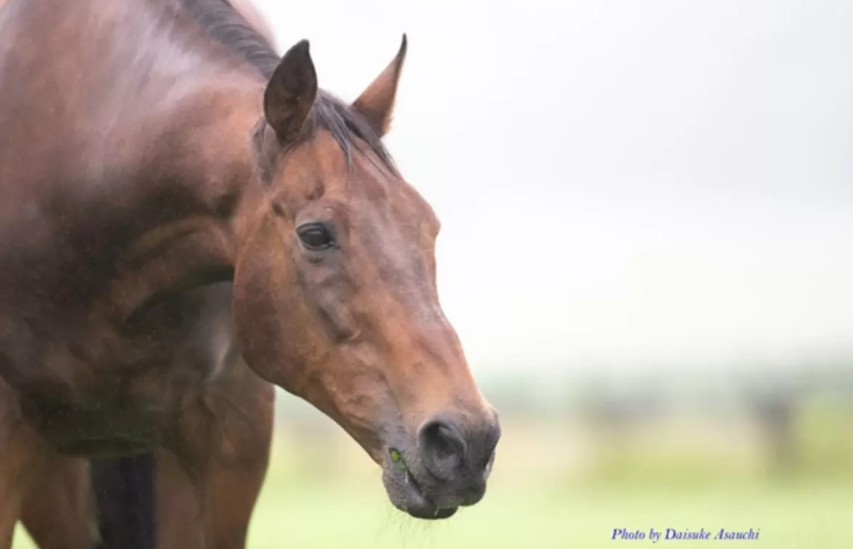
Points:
x=802 y=516
x=549 y=492
x=325 y=516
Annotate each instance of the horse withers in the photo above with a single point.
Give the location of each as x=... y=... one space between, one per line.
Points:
x=172 y=190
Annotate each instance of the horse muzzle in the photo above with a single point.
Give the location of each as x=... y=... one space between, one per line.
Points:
x=445 y=468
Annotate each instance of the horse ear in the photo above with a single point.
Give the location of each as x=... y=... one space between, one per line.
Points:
x=291 y=92
x=376 y=103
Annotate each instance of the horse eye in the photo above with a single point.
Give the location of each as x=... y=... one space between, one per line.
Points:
x=315 y=236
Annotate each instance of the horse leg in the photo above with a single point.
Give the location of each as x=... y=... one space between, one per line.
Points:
x=57 y=510
x=219 y=462
x=23 y=455
x=235 y=480
x=180 y=519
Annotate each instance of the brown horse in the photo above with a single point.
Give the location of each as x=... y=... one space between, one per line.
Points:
x=172 y=191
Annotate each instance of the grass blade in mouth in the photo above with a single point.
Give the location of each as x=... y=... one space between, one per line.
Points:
x=397 y=458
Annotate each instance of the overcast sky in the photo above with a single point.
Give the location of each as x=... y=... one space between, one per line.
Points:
x=620 y=182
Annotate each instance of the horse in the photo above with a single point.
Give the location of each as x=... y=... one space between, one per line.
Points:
x=186 y=220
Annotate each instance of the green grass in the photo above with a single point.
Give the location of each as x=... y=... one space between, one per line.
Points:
x=794 y=516
x=320 y=515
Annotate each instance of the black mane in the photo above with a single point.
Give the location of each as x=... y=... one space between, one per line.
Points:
x=225 y=25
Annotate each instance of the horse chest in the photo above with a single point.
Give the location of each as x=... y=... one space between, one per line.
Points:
x=111 y=387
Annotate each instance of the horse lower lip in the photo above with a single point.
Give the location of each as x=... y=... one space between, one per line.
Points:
x=431 y=512
x=445 y=513
x=417 y=504
x=414 y=487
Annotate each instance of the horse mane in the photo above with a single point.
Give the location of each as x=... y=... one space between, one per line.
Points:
x=222 y=22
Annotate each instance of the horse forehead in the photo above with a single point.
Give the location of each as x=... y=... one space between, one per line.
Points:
x=320 y=167
x=383 y=188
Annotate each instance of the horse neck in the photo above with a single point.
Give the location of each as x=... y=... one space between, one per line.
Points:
x=148 y=180
x=198 y=211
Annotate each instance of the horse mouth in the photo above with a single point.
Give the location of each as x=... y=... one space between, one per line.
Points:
x=405 y=492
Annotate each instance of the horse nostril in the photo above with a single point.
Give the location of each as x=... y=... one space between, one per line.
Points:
x=443 y=448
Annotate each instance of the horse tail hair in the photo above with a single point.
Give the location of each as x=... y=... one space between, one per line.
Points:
x=124 y=498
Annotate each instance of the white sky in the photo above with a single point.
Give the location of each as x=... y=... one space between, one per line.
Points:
x=619 y=182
